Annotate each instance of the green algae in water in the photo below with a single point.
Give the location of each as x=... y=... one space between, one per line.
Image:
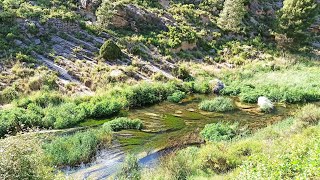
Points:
x=93 y=122
x=98 y=122
x=173 y=122
x=133 y=140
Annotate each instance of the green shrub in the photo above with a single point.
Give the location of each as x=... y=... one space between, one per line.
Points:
x=309 y=113
x=72 y=150
x=42 y=99
x=22 y=158
x=104 y=108
x=219 y=132
x=177 y=96
x=219 y=104
x=201 y=86
x=8 y=94
x=110 y=51
x=148 y=93
x=130 y=169
x=17 y=119
x=124 y=123
x=64 y=116
x=182 y=72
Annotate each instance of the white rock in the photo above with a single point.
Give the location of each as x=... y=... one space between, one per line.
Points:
x=265 y=104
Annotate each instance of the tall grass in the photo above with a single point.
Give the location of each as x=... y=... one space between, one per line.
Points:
x=297 y=83
x=219 y=104
x=124 y=123
x=130 y=169
x=82 y=146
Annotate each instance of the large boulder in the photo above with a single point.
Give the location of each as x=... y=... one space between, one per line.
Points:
x=216 y=86
x=265 y=104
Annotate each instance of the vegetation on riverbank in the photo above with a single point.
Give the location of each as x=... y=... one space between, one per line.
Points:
x=291 y=82
x=81 y=63
x=261 y=155
x=71 y=150
x=46 y=110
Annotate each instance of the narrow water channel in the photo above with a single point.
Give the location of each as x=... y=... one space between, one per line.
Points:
x=169 y=126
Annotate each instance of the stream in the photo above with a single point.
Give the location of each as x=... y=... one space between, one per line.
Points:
x=168 y=126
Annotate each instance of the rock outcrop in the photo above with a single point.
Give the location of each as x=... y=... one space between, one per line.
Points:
x=136 y=18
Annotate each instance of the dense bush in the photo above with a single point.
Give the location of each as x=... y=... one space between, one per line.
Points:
x=148 y=93
x=182 y=72
x=103 y=108
x=42 y=99
x=219 y=132
x=64 y=116
x=17 y=119
x=176 y=96
x=309 y=113
x=72 y=150
x=110 y=51
x=22 y=158
x=130 y=169
x=176 y=35
x=124 y=123
x=219 y=104
x=8 y=94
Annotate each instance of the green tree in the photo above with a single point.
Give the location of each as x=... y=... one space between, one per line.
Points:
x=231 y=17
x=296 y=17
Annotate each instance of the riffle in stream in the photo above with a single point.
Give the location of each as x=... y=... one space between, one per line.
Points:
x=168 y=126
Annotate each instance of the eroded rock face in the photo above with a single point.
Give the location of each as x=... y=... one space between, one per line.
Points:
x=89 y=4
x=136 y=18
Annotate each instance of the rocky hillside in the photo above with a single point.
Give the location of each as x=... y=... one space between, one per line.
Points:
x=57 y=44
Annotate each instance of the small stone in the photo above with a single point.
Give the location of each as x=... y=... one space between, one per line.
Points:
x=191 y=110
x=178 y=112
x=177 y=115
x=17 y=42
x=37 y=41
x=152 y=114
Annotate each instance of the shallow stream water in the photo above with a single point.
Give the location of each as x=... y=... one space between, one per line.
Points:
x=168 y=126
